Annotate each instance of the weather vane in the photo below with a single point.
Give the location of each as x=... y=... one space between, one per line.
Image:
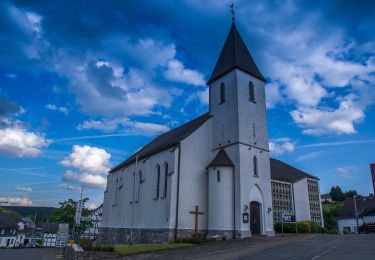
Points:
x=232 y=11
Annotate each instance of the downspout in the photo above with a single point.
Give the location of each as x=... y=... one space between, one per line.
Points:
x=178 y=190
x=234 y=202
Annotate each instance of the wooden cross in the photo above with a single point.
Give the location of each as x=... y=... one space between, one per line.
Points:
x=196 y=212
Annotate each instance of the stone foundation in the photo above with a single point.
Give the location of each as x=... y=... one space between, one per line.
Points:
x=144 y=235
x=140 y=235
x=224 y=234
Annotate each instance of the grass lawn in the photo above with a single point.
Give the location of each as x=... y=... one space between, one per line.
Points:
x=126 y=249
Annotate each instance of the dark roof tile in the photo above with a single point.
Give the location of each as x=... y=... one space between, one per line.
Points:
x=165 y=141
x=221 y=159
x=365 y=206
x=235 y=55
x=281 y=171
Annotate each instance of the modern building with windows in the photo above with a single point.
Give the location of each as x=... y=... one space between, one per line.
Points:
x=213 y=172
x=295 y=191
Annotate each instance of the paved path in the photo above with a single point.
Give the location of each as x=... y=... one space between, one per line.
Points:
x=45 y=253
x=312 y=247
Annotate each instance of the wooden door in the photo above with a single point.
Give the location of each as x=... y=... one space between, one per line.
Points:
x=255 y=218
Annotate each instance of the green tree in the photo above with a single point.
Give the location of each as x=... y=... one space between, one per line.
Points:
x=350 y=194
x=337 y=194
x=330 y=214
x=66 y=212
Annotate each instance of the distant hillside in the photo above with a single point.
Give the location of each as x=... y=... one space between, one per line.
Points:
x=25 y=211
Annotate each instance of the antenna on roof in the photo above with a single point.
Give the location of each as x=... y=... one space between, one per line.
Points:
x=232 y=11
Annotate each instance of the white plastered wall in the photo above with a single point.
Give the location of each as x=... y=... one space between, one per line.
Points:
x=149 y=211
x=220 y=198
x=301 y=200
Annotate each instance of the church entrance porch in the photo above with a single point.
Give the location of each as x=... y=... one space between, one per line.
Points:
x=255 y=218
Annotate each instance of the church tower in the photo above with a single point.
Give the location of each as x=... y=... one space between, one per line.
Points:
x=239 y=128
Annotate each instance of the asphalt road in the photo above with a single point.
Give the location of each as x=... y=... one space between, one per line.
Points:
x=291 y=247
x=322 y=247
x=45 y=253
x=312 y=247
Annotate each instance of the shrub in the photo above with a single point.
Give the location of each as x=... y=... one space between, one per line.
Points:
x=108 y=248
x=86 y=244
x=190 y=240
x=302 y=227
x=330 y=231
x=98 y=247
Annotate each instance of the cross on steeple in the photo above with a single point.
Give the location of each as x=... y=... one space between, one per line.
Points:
x=232 y=11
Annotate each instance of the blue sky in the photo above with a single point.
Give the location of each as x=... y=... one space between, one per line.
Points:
x=83 y=84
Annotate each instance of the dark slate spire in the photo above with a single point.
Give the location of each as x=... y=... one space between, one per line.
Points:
x=221 y=159
x=235 y=55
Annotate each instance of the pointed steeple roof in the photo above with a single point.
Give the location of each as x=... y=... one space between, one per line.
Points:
x=221 y=159
x=235 y=55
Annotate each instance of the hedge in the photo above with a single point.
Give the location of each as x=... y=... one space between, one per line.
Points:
x=302 y=227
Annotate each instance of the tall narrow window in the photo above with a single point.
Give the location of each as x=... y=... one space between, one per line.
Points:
x=254 y=130
x=157 y=181
x=218 y=176
x=139 y=182
x=133 y=188
x=121 y=184
x=116 y=191
x=165 y=179
x=222 y=93
x=255 y=165
x=251 y=91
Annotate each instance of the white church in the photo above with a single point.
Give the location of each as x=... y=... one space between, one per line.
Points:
x=218 y=163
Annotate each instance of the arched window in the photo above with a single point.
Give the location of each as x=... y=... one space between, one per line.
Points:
x=218 y=176
x=222 y=93
x=251 y=91
x=255 y=165
x=157 y=181
x=165 y=179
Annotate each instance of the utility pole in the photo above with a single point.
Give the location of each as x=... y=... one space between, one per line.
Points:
x=132 y=217
x=32 y=232
x=77 y=217
x=356 y=212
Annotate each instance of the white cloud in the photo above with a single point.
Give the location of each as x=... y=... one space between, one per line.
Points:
x=274 y=95
x=92 y=164
x=92 y=206
x=124 y=126
x=86 y=179
x=66 y=186
x=315 y=69
x=317 y=121
x=148 y=128
x=177 y=72
x=24 y=189
x=15 y=201
x=204 y=96
x=53 y=107
x=281 y=145
x=88 y=159
x=30 y=25
x=345 y=171
x=18 y=142
x=307 y=156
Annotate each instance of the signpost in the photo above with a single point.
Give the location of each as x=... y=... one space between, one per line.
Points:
x=287 y=217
